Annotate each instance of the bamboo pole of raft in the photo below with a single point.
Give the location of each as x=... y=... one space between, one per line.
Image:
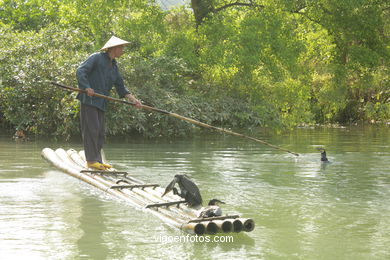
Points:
x=164 y=214
x=143 y=197
x=53 y=158
x=74 y=155
x=147 y=191
x=158 y=191
x=225 y=226
x=248 y=224
x=210 y=227
x=237 y=225
x=177 y=213
x=72 y=162
x=193 y=121
x=157 y=195
x=221 y=225
x=151 y=199
x=103 y=185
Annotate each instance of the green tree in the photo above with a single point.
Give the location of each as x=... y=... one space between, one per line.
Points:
x=276 y=63
x=28 y=15
x=358 y=30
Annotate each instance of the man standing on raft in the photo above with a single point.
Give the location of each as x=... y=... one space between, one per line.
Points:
x=97 y=75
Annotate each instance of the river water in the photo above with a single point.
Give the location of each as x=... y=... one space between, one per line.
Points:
x=303 y=209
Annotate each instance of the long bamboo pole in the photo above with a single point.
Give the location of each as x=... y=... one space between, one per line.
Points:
x=195 y=122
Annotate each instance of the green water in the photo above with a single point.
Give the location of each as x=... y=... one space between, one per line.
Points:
x=303 y=209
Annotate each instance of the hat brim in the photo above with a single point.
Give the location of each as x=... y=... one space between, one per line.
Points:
x=106 y=48
x=113 y=42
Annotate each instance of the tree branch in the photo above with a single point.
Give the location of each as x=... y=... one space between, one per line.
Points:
x=308 y=17
x=236 y=4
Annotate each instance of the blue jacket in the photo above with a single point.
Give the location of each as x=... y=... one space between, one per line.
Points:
x=99 y=73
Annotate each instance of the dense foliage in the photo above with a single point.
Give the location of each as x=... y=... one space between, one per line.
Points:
x=274 y=63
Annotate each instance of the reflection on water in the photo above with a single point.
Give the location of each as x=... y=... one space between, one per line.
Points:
x=303 y=209
x=93 y=228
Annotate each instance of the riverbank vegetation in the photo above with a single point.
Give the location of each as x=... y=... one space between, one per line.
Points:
x=240 y=64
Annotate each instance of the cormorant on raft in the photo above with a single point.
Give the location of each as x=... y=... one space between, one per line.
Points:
x=188 y=190
x=323 y=155
x=212 y=210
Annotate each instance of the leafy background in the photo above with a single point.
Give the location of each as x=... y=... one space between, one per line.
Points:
x=271 y=63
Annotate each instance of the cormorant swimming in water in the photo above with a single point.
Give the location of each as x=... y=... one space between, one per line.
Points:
x=323 y=155
x=212 y=210
x=188 y=190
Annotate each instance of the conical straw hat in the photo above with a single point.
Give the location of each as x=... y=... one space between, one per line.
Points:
x=112 y=42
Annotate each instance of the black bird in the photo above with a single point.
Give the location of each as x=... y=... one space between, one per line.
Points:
x=212 y=210
x=323 y=155
x=188 y=190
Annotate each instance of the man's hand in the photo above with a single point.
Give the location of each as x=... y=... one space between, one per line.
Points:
x=90 y=92
x=132 y=99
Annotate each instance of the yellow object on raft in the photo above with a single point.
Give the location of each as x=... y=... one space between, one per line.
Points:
x=171 y=209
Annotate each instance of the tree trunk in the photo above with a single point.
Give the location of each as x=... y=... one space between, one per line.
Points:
x=202 y=8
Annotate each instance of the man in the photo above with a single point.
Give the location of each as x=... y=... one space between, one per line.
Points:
x=97 y=75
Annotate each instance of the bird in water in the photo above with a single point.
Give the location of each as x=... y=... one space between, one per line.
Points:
x=323 y=155
x=188 y=190
x=212 y=210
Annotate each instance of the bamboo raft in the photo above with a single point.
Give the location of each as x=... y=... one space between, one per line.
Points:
x=147 y=196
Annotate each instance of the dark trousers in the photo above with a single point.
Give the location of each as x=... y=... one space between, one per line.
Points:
x=92 y=130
